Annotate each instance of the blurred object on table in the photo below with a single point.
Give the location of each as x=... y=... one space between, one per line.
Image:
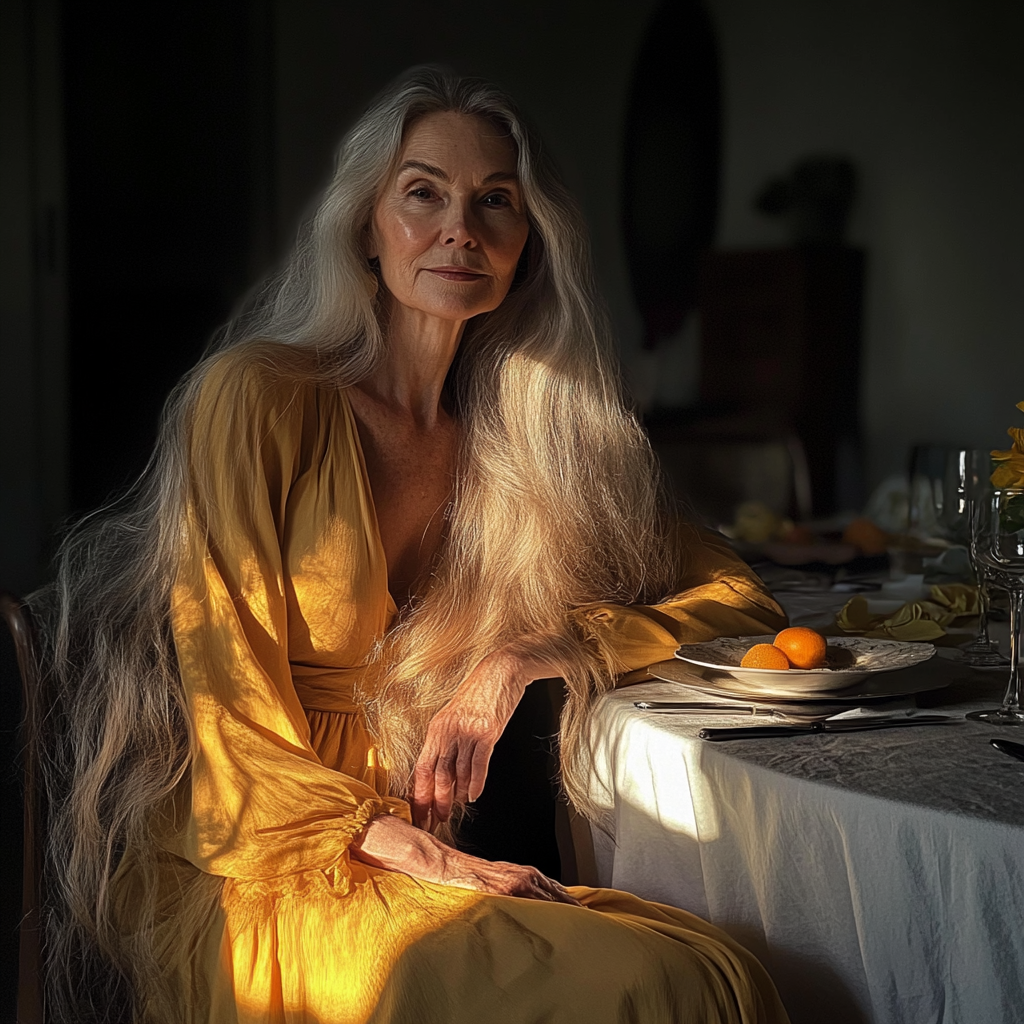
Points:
x=867 y=537
x=887 y=507
x=758 y=533
x=910 y=555
x=821 y=551
x=921 y=514
x=944 y=481
x=756 y=523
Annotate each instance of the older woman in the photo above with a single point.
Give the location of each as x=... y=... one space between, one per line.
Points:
x=403 y=489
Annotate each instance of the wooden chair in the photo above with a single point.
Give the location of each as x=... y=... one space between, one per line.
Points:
x=30 y=978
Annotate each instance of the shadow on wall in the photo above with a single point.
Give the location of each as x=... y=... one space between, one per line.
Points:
x=671 y=164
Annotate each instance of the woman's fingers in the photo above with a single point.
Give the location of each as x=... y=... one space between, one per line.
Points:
x=423 y=788
x=560 y=894
x=445 y=779
x=452 y=766
x=503 y=878
x=479 y=763
x=464 y=772
x=544 y=888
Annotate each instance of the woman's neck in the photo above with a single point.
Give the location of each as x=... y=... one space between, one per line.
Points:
x=419 y=350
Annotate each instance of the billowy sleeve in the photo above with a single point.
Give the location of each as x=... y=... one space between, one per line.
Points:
x=259 y=802
x=719 y=595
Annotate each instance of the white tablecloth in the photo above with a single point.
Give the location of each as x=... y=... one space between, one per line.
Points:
x=879 y=876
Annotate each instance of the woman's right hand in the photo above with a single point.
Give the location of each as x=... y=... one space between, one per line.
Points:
x=390 y=843
x=500 y=878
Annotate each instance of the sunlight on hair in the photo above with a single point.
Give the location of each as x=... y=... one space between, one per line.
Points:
x=557 y=507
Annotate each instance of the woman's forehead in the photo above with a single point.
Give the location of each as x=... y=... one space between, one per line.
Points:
x=444 y=137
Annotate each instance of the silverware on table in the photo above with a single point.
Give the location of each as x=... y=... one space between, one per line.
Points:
x=1009 y=747
x=703 y=708
x=828 y=726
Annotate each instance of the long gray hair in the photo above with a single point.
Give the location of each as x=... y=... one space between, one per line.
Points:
x=557 y=506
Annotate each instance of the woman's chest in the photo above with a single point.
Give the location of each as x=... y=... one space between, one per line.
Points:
x=334 y=574
x=411 y=476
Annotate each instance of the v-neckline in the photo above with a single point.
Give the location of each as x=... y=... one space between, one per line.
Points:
x=368 y=495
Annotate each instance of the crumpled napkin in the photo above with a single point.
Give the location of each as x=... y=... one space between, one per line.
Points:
x=916 y=620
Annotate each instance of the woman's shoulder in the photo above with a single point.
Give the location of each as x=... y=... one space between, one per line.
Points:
x=257 y=380
x=260 y=367
x=258 y=398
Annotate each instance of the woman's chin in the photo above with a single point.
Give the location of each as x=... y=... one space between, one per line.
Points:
x=450 y=308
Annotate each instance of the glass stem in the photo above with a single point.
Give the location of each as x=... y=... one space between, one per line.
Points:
x=983 y=607
x=1011 y=702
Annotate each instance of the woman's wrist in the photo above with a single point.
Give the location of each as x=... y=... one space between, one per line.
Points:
x=395 y=845
x=517 y=668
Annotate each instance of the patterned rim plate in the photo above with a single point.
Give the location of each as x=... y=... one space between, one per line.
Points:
x=851 y=659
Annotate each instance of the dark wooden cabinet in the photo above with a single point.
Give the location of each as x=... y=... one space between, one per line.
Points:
x=780 y=351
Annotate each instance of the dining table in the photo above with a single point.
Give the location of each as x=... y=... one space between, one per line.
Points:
x=878 y=875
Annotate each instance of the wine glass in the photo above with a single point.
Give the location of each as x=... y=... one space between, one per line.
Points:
x=1000 y=549
x=967 y=483
x=925 y=504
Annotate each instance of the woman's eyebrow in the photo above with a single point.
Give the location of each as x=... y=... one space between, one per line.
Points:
x=416 y=165
x=436 y=172
x=501 y=176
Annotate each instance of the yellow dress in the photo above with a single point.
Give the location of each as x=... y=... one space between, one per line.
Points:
x=265 y=919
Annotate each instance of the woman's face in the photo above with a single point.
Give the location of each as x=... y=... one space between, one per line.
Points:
x=450 y=224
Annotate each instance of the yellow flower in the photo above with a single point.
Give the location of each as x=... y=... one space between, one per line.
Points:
x=1010 y=471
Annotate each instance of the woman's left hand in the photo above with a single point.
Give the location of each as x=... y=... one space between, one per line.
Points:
x=452 y=766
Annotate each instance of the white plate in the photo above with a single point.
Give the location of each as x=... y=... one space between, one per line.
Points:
x=851 y=659
x=878 y=687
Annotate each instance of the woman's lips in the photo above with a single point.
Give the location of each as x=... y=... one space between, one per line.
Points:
x=455 y=273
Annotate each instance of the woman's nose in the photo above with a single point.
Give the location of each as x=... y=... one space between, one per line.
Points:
x=457 y=229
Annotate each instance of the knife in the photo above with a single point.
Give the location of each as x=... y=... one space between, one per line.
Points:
x=1009 y=747
x=699 y=708
x=831 y=725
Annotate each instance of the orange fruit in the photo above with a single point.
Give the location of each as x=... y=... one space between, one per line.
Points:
x=765 y=656
x=798 y=535
x=802 y=646
x=865 y=535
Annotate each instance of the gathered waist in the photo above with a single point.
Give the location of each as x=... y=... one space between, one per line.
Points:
x=327 y=689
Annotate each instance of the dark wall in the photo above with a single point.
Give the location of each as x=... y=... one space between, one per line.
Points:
x=167 y=143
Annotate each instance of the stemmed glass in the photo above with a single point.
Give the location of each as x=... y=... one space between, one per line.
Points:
x=966 y=484
x=1000 y=549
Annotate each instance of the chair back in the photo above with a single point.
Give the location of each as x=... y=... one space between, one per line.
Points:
x=30 y=963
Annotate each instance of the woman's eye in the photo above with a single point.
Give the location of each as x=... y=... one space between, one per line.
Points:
x=420 y=193
x=497 y=199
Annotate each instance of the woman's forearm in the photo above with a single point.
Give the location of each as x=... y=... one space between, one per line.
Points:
x=395 y=845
